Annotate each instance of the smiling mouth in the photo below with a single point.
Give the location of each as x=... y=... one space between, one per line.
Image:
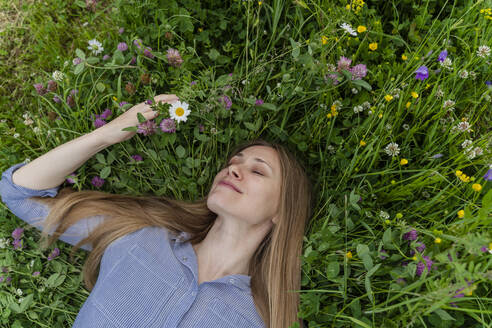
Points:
x=228 y=186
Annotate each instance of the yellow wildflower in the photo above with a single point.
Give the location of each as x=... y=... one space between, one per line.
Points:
x=200 y=29
x=388 y=97
x=328 y=115
x=437 y=240
x=403 y=161
x=490 y=246
x=477 y=187
x=380 y=115
x=461 y=214
x=415 y=94
x=458 y=173
x=393 y=181
x=361 y=29
x=115 y=99
x=427 y=86
x=324 y=40
x=464 y=178
x=373 y=46
x=349 y=255
x=414 y=258
x=347 y=7
x=408 y=104
x=404 y=57
x=362 y=143
x=472 y=179
x=259 y=3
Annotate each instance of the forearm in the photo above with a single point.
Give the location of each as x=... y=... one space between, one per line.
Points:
x=49 y=170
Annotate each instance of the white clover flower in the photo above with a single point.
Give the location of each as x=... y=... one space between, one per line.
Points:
x=473 y=75
x=439 y=93
x=447 y=63
x=478 y=151
x=470 y=153
x=3 y=121
x=28 y=121
x=331 y=149
x=20 y=299
x=448 y=104
x=25 y=115
x=463 y=126
x=406 y=126
x=392 y=149
x=16 y=135
x=3 y=242
x=179 y=111
x=358 y=109
x=384 y=215
x=331 y=67
x=483 y=51
x=388 y=126
x=355 y=91
x=19 y=291
x=366 y=105
x=65 y=63
x=95 y=46
x=463 y=74
x=466 y=144
x=58 y=76
x=348 y=29
x=36 y=129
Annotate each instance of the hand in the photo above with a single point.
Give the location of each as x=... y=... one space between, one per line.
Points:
x=112 y=131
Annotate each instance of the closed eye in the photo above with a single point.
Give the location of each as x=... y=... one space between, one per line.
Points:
x=257 y=172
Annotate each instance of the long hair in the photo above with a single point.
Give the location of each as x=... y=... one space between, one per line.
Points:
x=275 y=268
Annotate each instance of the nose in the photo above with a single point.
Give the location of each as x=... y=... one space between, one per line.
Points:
x=234 y=171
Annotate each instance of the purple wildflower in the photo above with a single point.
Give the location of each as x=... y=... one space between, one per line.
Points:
x=168 y=125
x=123 y=103
x=404 y=263
x=358 y=71
x=149 y=101
x=56 y=99
x=421 y=247
x=147 y=52
x=442 y=55
x=138 y=43
x=450 y=258
x=400 y=281
x=52 y=86
x=36 y=273
x=437 y=156
x=54 y=254
x=70 y=101
x=9 y=279
x=192 y=83
x=99 y=122
x=76 y=60
x=488 y=82
x=122 y=46
x=97 y=182
x=17 y=243
x=146 y=128
x=74 y=92
x=343 y=63
x=227 y=101
x=137 y=158
x=411 y=235
x=484 y=249
x=488 y=175
x=17 y=233
x=456 y=295
x=422 y=73
x=121 y=30
x=107 y=113
x=334 y=77
x=383 y=256
x=40 y=89
x=1 y=279
x=201 y=128
x=421 y=266
x=259 y=102
x=5 y=269
x=173 y=57
x=70 y=180
x=133 y=61
x=106 y=57
x=230 y=74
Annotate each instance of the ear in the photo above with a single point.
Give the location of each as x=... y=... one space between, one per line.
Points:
x=275 y=219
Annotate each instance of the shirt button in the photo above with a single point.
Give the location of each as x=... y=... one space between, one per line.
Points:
x=231 y=281
x=184 y=258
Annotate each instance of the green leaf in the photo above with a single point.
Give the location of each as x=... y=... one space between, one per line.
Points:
x=367 y=282
x=111 y=157
x=100 y=87
x=105 y=172
x=130 y=128
x=367 y=260
x=118 y=90
x=15 y=307
x=387 y=237
x=332 y=270
x=444 y=315
x=296 y=50
x=26 y=302
x=269 y=106
x=92 y=60
x=80 y=53
x=118 y=57
x=180 y=151
x=55 y=280
x=152 y=154
x=141 y=118
x=213 y=54
x=100 y=158
x=362 y=249
x=362 y=84
x=250 y=126
x=79 y=68
x=347 y=74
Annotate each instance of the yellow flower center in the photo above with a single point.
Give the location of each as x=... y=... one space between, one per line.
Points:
x=179 y=111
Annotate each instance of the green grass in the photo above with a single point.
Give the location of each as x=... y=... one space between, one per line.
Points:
x=366 y=200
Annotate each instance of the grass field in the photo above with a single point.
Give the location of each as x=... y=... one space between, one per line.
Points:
x=387 y=103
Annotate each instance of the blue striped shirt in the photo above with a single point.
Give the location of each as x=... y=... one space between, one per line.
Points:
x=148 y=278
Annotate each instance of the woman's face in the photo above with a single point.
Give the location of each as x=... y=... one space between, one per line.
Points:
x=255 y=174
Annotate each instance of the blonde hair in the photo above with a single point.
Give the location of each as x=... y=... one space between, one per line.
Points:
x=275 y=268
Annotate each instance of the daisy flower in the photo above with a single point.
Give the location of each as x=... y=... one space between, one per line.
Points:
x=179 y=111
x=348 y=29
x=95 y=46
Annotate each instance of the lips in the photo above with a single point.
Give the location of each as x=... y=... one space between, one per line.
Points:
x=229 y=184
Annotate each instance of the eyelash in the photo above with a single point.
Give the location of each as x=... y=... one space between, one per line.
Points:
x=257 y=172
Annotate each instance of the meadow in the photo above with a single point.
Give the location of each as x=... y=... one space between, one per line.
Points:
x=388 y=104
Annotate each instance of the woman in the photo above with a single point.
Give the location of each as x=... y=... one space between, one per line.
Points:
x=231 y=259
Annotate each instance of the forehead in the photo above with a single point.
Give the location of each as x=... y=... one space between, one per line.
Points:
x=267 y=154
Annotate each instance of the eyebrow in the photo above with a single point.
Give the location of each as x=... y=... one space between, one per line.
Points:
x=256 y=159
